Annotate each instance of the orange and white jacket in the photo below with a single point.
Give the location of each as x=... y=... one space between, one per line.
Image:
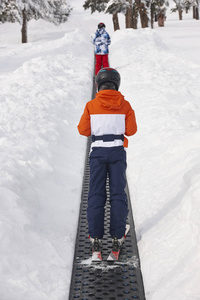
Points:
x=108 y=113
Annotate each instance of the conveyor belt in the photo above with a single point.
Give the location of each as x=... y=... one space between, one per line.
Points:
x=119 y=281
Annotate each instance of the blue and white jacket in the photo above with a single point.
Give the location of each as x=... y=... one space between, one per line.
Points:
x=101 y=41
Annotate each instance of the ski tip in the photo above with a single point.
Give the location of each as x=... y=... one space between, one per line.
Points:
x=96 y=257
x=114 y=256
x=127 y=228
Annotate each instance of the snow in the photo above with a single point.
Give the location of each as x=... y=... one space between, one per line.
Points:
x=44 y=87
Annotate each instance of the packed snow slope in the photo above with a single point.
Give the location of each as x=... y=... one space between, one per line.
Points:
x=45 y=85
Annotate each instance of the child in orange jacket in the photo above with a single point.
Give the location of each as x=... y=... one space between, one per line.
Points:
x=107 y=118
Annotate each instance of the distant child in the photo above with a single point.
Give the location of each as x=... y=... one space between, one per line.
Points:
x=107 y=118
x=101 y=42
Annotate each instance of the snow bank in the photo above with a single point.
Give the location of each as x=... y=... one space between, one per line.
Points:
x=40 y=188
x=163 y=160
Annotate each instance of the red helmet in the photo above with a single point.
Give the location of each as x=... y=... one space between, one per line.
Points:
x=101 y=25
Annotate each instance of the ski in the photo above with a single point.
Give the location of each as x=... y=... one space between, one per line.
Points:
x=117 y=244
x=113 y=256
x=96 y=256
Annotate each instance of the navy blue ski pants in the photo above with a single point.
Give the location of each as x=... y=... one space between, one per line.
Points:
x=111 y=161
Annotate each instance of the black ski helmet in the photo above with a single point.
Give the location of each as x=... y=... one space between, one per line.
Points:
x=108 y=75
x=101 y=25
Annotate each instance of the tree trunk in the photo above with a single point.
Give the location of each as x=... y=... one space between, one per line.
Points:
x=135 y=15
x=143 y=16
x=24 y=27
x=115 y=22
x=129 y=16
x=152 y=16
x=197 y=13
x=180 y=13
x=197 y=10
x=194 y=12
x=161 y=20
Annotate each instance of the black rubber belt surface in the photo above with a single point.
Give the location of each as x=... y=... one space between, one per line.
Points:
x=121 y=280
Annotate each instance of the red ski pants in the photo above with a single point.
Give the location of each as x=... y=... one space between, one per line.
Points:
x=101 y=60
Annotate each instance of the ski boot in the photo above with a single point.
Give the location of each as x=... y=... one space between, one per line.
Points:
x=96 y=249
